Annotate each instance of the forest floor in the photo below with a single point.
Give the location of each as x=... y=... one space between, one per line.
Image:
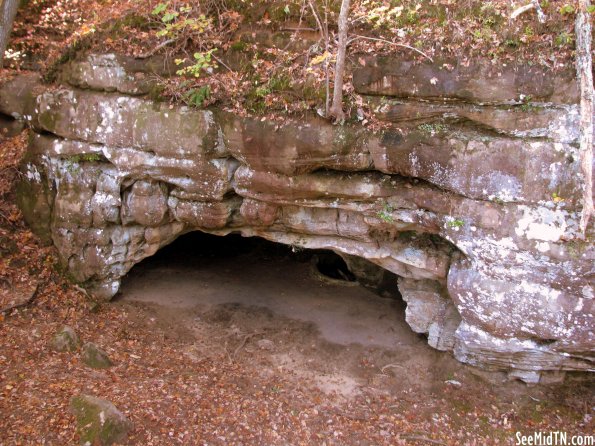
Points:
x=244 y=348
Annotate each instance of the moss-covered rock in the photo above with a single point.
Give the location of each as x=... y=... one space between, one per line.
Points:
x=99 y=421
x=66 y=340
x=95 y=357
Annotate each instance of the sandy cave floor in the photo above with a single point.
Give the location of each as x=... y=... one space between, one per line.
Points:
x=241 y=293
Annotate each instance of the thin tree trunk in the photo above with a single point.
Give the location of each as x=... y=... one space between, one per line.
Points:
x=584 y=71
x=337 y=106
x=327 y=96
x=8 y=11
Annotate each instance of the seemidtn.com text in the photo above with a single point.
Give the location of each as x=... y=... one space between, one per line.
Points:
x=555 y=438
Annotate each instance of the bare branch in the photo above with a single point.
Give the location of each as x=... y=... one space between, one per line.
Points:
x=533 y=5
x=324 y=36
x=221 y=62
x=317 y=18
x=392 y=43
x=540 y=14
x=296 y=28
x=157 y=48
x=326 y=63
x=517 y=12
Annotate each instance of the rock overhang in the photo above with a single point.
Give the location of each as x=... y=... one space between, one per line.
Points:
x=493 y=271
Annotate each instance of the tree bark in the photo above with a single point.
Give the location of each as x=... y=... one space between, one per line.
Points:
x=336 y=110
x=8 y=11
x=584 y=69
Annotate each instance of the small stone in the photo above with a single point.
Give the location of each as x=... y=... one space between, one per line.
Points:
x=266 y=344
x=95 y=357
x=99 y=421
x=454 y=383
x=527 y=376
x=66 y=340
x=94 y=306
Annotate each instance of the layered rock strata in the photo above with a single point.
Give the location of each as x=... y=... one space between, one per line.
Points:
x=471 y=195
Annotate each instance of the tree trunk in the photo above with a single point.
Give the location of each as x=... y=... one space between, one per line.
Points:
x=584 y=71
x=337 y=106
x=8 y=11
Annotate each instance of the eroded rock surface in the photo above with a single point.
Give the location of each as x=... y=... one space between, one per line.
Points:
x=474 y=207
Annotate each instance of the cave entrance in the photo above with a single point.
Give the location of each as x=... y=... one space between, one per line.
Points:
x=200 y=272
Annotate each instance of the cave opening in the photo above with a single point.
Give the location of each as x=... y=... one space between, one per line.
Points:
x=10 y=126
x=200 y=271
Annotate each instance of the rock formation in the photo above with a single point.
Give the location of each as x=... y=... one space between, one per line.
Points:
x=471 y=198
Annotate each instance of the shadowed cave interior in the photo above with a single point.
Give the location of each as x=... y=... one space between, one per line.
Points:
x=315 y=286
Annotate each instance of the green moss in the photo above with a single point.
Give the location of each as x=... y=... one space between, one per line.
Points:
x=85 y=157
x=48 y=120
x=408 y=236
x=98 y=422
x=95 y=358
x=457 y=223
x=136 y=21
x=433 y=128
x=563 y=39
x=156 y=92
x=462 y=406
x=70 y=53
x=385 y=214
x=239 y=46
x=255 y=98
x=279 y=83
x=314 y=93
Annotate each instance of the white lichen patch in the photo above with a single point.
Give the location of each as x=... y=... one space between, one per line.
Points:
x=32 y=173
x=550 y=225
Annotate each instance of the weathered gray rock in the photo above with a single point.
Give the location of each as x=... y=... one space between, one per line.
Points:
x=372 y=276
x=477 y=81
x=482 y=166
x=430 y=311
x=66 y=340
x=527 y=120
x=129 y=122
x=98 y=421
x=474 y=207
x=95 y=357
x=265 y=344
x=17 y=96
x=145 y=204
x=108 y=72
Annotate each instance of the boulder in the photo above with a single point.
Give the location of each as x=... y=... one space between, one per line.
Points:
x=66 y=340
x=95 y=357
x=98 y=421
